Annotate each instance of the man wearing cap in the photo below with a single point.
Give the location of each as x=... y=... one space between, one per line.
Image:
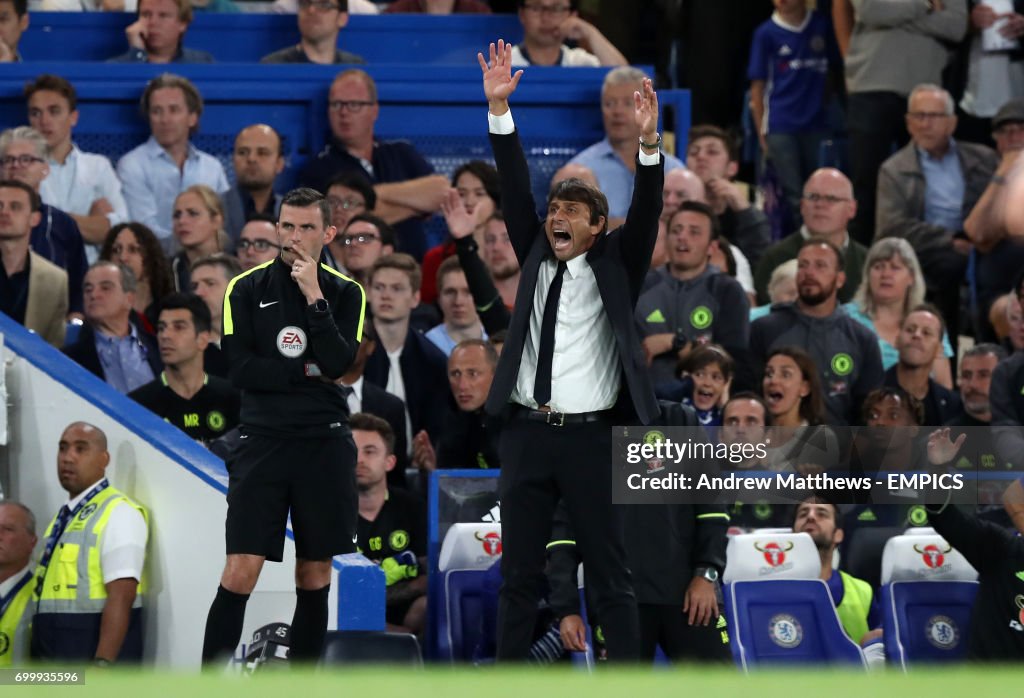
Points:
x=999 y=258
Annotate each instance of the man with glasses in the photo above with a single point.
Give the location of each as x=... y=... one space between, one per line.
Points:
x=320 y=21
x=927 y=188
x=827 y=207
x=257 y=243
x=348 y=195
x=366 y=239
x=258 y=159
x=404 y=182
x=547 y=24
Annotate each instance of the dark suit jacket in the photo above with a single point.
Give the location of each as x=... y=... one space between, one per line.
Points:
x=83 y=351
x=425 y=375
x=234 y=212
x=619 y=259
x=391 y=409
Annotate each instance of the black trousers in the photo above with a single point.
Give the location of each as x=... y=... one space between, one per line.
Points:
x=540 y=464
x=669 y=627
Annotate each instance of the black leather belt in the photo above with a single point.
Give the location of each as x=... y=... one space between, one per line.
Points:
x=559 y=419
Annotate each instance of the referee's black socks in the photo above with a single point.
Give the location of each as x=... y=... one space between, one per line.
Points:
x=224 y=625
x=309 y=625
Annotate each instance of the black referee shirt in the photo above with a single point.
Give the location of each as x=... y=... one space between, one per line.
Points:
x=401 y=525
x=208 y=415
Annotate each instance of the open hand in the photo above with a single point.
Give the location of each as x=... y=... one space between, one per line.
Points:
x=645 y=102
x=499 y=82
x=940 y=449
x=461 y=223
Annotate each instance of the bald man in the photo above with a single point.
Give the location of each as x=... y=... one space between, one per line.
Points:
x=89 y=604
x=17 y=540
x=827 y=207
x=258 y=159
x=574 y=169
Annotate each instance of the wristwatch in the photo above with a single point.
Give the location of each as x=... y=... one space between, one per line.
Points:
x=708 y=573
x=320 y=306
x=651 y=146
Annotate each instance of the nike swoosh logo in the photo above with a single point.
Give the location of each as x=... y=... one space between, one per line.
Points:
x=267 y=305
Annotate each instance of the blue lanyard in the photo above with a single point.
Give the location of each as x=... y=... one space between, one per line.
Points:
x=5 y=601
x=58 y=531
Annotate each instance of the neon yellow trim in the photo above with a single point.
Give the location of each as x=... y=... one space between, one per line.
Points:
x=229 y=322
x=713 y=516
x=362 y=306
x=555 y=543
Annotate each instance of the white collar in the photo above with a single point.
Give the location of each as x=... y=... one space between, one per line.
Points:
x=8 y=584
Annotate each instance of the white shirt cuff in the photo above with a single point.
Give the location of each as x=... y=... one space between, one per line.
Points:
x=501 y=125
x=651 y=159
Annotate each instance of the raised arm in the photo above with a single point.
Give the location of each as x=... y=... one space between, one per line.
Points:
x=640 y=230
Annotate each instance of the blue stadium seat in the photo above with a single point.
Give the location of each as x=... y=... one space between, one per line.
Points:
x=468 y=551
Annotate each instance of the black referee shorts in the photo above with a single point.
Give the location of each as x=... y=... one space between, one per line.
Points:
x=312 y=477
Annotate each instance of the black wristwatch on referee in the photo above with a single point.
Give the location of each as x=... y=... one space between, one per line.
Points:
x=708 y=573
x=320 y=306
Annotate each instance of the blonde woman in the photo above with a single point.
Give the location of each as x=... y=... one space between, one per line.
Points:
x=198 y=226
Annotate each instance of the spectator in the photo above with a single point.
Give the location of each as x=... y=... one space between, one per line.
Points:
x=209 y=280
x=18 y=524
x=366 y=239
x=201 y=405
x=711 y=154
x=892 y=285
x=392 y=526
x=158 y=34
x=349 y=194
x=1015 y=323
x=694 y=303
x=461 y=321
x=82 y=184
x=501 y=259
x=258 y=159
x=893 y=48
x=405 y=363
x=826 y=207
x=439 y=7
x=13 y=21
x=705 y=377
x=33 y=291
x=613 y=159
x=405 y=183
x=320 y=22
x=257 y=242
x=477 y=185
x=995 y=71
x=104 y=624
x=926 y=190
x=198 y=229
x=845 y=352
x=573 y=169
x=136 y=247
x=781 y=289
x=792 y=390
x=918 y=343
x=154 y=173
x=547 y=24
x=110 y=344
x=23 y=153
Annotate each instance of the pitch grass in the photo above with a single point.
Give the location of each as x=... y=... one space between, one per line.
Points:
x=963 y=681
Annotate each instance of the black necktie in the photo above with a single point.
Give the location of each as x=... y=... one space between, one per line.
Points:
x=542 y=381
x=63 y=517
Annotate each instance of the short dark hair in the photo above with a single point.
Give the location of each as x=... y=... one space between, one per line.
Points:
x=155 y=267
x=263 y=217
x=231 y=266
x=752 y=397
x=33 y=198
x=706 y=355
x=195 y=305
x=818 y=498
x=573 y=5
x=20 y=7
x=821 y=242
x=487 y=175
x=984 y=349
x=358 y=182
x=53 y=83
x=876 y=396
x=490 y=353
x=931 y=310
x=812 y=406
x=403 y=263
x=711 y=131
x=387 y=233
x=704 y=210
x=448 y=266
x=364 y=421
x=193 y=100
x=574 y=189
x=304 y=197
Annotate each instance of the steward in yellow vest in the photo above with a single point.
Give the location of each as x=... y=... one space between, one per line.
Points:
x=17 y=540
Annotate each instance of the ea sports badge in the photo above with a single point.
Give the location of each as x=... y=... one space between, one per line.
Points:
x=291 y=342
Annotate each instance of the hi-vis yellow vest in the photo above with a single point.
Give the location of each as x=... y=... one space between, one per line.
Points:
x=74 y=577
x=853 y=609
x=15 y=625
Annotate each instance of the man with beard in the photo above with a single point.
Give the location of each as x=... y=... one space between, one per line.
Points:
x=258 y=159
x=845 y=351
x=919 y=341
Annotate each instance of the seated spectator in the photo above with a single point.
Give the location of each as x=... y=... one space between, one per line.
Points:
x=573 y=170
x=918 y=343
x=439 y=7
x=460 y=319
x=33 y=291
x=110 y=344
x=844 y=351
x=392 y=527
x=705 y=375
x=258 y=158
x=791 y=58
x=154 y=173
x=158 y=34
x=201 y=405
x=501 y=260
x=927 y=189
x=404 y=182
x=209 y=280
x=470 y=437
x=405 y=363
x=348 y=195
x=477 y=185
x=257 y=242
x=84 y=185
x=892 y=285
x=365 y=240
x=136 y=247
x=1014 y=315
x=13 y=22
x=320 y=22
x=547 y=24
x=198 y=229
x=695 y=303
x=711 y=154
x=781 y=289
x=613 y=159
x=23 y=154
x=826 y=208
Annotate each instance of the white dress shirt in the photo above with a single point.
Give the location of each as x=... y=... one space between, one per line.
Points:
x=585 y=364
x=355 y=398
x=123 y=549
x=396 y=386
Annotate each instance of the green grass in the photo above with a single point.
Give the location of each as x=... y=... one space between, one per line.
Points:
x=539 y=683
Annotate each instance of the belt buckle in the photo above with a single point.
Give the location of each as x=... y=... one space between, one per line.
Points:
x=560 y=416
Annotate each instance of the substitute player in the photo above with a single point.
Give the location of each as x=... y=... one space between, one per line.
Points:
x=291 y=326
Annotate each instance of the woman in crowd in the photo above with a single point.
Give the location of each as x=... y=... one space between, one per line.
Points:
x=198 y=228
x=136 y=247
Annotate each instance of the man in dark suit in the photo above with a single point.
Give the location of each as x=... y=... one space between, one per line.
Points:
x=571 y=368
